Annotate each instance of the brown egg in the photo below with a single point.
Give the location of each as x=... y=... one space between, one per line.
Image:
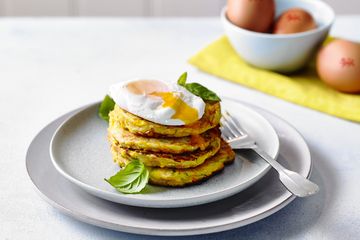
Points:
x=294 y=20
x=254 y=15
x=338 y=65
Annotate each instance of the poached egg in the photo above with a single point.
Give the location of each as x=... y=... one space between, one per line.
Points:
x=158 y=101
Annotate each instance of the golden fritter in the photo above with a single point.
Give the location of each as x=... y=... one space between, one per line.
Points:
x=153 y=159
x=126 y=139
x=140 y=126
x=180 y=177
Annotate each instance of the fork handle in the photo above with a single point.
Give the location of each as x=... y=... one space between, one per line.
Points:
x=294 y=182
x=277 y=166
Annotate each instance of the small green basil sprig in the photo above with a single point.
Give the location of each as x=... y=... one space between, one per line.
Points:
x=135 y=176
x=106 y=106
x=131 y=179
x=197 y=89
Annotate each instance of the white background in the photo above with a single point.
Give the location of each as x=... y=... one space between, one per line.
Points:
x=156 y=8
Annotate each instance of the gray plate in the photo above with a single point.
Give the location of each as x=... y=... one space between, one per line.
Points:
x=260 y=200
x=81 y=153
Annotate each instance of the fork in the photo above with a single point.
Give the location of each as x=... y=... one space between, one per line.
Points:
x=238 y=138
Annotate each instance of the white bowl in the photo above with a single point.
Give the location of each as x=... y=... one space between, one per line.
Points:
x=281 y=52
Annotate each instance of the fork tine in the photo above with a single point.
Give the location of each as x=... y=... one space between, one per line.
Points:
x=227 y=128
x=232 y=127
x=235 y=123
x=225 y=136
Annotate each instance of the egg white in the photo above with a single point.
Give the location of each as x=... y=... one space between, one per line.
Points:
x=150 y=107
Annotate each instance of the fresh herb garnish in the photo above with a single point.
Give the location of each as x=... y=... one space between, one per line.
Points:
x=132 y=179
x=182 y=79
x=197 y=89
x=106 y=106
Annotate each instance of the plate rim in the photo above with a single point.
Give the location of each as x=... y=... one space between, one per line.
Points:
x=158 y=203
x=161 y=232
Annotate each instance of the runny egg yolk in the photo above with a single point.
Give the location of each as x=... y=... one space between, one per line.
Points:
x=182 y=110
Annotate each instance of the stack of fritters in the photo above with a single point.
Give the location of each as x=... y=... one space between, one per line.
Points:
x=174 y=155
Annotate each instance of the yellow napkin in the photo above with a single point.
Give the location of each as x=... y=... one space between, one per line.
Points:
x=303 y=88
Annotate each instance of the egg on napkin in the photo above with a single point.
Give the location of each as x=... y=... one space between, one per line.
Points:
x=294 y=20
x=338 y=65
x=157 y=101
x=254 y=15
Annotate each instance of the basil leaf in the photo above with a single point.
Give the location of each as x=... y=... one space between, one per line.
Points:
x=197 y=89
x=106 y=106
x=201 y=91
x=131 y=179
x=182 y=79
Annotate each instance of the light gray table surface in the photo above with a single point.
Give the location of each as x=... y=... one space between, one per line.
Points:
x=51 y=66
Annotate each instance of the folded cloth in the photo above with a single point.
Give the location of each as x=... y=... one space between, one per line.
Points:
x=303 y=88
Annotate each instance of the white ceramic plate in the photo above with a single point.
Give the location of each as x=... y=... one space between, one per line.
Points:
x=80 y=152
x=262 y=199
